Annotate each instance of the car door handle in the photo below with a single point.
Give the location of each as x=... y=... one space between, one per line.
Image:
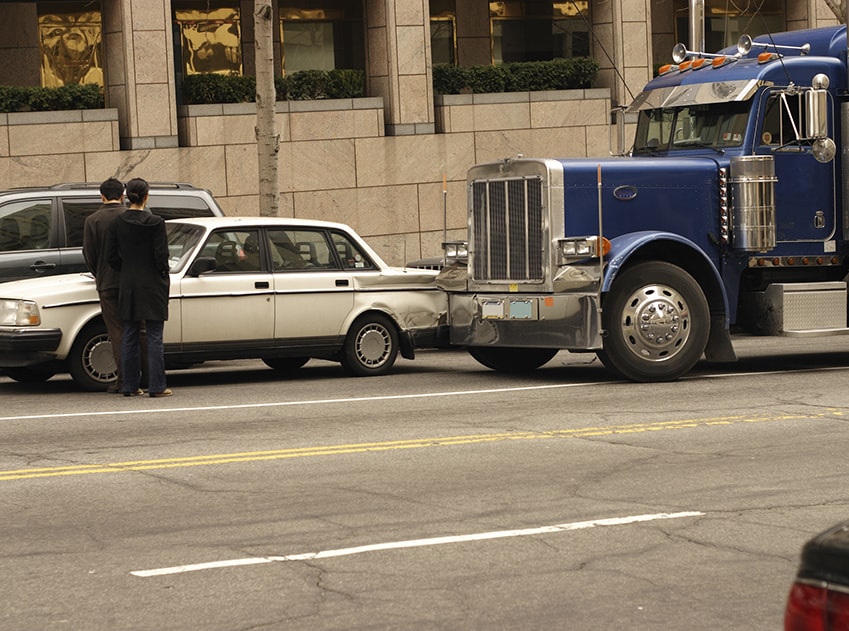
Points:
x=261 y=284
x=40 y=266
x=341 y=282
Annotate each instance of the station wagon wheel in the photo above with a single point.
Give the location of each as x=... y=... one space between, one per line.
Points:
x=371 y=346
x=90 y=361
x=285 y=364
x=657 y=322
x=512 y=360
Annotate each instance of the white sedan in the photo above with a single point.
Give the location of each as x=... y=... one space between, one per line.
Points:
x=281 y=290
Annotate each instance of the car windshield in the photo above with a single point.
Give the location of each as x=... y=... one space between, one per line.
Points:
x=715 y=125
x=182 y=241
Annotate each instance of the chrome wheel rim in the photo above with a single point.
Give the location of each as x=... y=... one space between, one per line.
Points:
x=656 y=323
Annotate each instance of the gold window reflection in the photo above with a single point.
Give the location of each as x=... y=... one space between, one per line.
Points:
x=70 y=45
x=211 y=41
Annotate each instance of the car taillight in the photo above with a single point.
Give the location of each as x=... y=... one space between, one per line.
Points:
x=816 y=608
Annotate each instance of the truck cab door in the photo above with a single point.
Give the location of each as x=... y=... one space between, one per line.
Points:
x=805 y=200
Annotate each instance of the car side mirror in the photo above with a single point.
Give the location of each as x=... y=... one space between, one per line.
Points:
x=202 y=265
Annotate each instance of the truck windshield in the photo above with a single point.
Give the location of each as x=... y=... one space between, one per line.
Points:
x=714 y=125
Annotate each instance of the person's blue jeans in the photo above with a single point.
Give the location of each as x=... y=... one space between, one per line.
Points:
x=131 y=356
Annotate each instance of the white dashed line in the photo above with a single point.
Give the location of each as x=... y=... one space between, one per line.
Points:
x=413 y=543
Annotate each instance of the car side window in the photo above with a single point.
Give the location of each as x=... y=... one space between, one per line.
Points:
x=300 y=250
x=75 y=212
x=25 y=225
x=234 y=251
x=349 y=253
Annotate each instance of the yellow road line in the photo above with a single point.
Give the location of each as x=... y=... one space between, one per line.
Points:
x=391 y=445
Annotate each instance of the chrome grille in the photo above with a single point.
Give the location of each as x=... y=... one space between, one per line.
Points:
x=507 y=230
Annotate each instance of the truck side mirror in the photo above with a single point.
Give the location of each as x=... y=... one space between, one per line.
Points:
x=816 y=108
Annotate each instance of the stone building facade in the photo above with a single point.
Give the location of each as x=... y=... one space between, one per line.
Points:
x=392 y=164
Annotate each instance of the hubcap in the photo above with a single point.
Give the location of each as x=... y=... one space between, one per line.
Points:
x=656 y=322
x=100 y=363
x=373 y=345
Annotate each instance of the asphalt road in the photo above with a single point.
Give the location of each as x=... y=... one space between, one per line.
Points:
x=443 y=496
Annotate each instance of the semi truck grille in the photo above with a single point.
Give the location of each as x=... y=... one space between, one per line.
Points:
x=507 y=230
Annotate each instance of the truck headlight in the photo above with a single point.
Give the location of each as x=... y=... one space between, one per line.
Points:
x=572 y=249
x=19 y=313
x=455 y=252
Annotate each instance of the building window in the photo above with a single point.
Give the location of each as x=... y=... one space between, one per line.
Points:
x=210 y=40
x=536 y=30
x=70 y=43
x=726 y=21
x=321 y=35
x=443 y=32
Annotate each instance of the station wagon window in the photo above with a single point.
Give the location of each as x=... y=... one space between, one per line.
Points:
x=234 y=251
x=75 y=212
x=178 y=206
x=25 y=225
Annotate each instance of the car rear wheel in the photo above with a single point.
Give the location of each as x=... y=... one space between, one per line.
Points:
x=90 y=361
x=371 y=346
x=285 y=364
x=512 y=360
x=30 y=374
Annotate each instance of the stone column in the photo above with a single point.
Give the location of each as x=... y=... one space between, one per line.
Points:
x=140 y=71
x=399 y=64
x=623 y=30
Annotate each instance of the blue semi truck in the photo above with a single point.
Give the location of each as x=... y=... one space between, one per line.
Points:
x=729 y=213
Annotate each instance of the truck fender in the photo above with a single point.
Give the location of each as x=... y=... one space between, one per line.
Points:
x=673 y=248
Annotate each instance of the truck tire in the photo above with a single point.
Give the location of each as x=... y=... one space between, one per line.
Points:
x=657 y=322
x=285 y=364
x=371 y=346
x=512 y=360
x=90 y=361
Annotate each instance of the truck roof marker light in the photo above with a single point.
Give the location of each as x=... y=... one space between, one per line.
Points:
x=767 y=57
x=696 y=64
x=666 y=69
x=722 y=60
x=684 y=66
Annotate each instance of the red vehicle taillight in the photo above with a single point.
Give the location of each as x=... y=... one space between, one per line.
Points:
x=816 y=608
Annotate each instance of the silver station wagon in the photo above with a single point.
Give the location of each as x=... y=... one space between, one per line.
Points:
x=280 y=290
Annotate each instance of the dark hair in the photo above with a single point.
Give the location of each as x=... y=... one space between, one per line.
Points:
x=112 y=189
x=137 y=190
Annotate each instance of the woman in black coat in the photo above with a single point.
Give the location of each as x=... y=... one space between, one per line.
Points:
x=137 y=247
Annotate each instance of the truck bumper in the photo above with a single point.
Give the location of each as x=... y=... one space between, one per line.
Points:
x=563 y=321
x=21 y=346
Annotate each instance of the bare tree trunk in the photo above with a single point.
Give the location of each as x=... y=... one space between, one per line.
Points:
x=267 y=139
x=838 y=7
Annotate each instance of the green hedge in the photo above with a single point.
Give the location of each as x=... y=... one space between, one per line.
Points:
x=558 y=74
x=299 y=86
x=69 y=97
x=530 y=76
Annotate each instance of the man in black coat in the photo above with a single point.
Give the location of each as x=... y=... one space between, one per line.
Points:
x=106 y=278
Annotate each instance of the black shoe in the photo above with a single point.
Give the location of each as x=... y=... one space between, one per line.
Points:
x=164 y=393
x=137 y=393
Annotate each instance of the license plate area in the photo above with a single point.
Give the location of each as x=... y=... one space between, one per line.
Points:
x=508 y=309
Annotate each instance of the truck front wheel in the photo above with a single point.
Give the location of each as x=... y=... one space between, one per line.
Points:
x=657 y=322
x=505 y=359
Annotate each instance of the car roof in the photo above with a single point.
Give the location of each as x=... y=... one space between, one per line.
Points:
x=213 y=223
